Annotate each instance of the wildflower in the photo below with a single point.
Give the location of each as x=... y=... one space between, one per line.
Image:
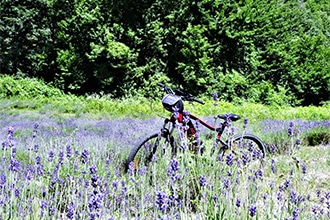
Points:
x=61 y=157
x=143 y=170
x=161 y=201
x=295 y=213
x=115 y=185
x=51 y=156
x=3 y=179
x=202 y=180
x=290 y=129
x=304 y=168
x=252 y=210
x=17 y=192
x=273 y=148
x=35 y=129
x=287 y=183
x=279 y=196
x=95 y=204
x=93 y=170
x=226 y=183
x=95 y=181
x=84 y=156
x=44 y=204
x=36 y=148
x=230 y=159
x=245 y=158
x=256 y=154
x=314 y=209
x=215 y=198
x=273 y=165
x=13 y=152
x=14 y=165
x=238 y=203
x=71 y=210
x=172 y=168
x=68 y=151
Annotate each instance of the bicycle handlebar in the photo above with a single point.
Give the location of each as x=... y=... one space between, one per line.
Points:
x=184 y=96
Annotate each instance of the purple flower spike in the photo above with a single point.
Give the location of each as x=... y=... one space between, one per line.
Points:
x=273 y=165
x=161 y=201
x=252 y=210
x=93 y=170
x=238 y=203
x=304 y=168
x=202 y=181
x=230 y=159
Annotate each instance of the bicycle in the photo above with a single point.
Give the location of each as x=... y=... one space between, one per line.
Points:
x=245 y=148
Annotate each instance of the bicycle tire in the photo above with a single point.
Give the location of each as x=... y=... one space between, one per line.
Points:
x=245 y=148
x=143 y=153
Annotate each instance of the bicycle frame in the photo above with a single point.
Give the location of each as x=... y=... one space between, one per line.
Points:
x=169 y=130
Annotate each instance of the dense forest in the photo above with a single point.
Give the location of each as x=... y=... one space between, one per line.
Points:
x=267 y=51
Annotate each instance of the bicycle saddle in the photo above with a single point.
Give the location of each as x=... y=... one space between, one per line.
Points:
x=232 y=117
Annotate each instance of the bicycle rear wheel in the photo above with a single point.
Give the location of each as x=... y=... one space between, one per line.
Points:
x=149 y=150
x=247 y=149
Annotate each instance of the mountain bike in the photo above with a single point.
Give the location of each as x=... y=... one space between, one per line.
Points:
x=245 y=148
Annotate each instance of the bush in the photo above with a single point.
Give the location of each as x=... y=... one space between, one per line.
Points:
x=26 y=88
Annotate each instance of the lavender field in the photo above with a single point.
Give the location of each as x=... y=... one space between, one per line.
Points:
x=54 y=167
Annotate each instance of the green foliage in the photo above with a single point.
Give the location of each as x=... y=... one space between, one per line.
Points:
x=319 y=136
x=26 y=93
x=273 y=52
x=26 y=88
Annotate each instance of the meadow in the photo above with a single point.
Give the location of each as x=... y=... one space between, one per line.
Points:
x=63 y=159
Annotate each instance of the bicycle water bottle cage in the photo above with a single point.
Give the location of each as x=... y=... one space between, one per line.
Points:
x=170 y=101
x=231 y=117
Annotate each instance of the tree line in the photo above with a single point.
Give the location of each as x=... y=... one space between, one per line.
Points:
x=272 y=52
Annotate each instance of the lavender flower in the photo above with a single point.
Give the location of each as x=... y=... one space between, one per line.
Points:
x=238 y=203
x=295 y=213
x=68 y=151
x=273 y=165
x=273 y=148
x=51 y=156
x=161 y=201
x=35 y=129
x=93 y=170
x=202 y=181
x=71 y=210
x=279 y=196
x=230 y=159
x=291 y=129
x=84 y=156
x=15 y=165
x=3 y=179
x=17 y=192
x=43 y=204
x=252 y=210
x=304 y=168
x=173 y=167
x=245 y=158
x=226 y=183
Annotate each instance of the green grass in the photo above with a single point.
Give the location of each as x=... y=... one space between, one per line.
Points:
x=104 y=107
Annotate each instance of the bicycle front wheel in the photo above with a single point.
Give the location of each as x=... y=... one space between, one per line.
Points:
x=246 y=149
x=150 y=150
